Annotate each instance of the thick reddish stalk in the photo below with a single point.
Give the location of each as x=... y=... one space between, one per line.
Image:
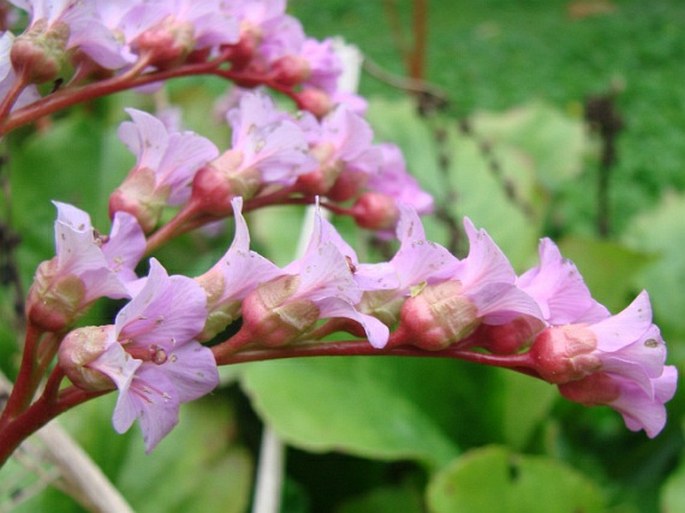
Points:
x=36 y=416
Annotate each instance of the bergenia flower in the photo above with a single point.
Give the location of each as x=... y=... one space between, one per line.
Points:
x=8 y=76
x=481 y=290
x=153 y=357
x=124 y=247
x=559 y=290
x=79 y=274
x=318 y=285
x=392 y=179
x=267 y=147
x=233 y=277
x=617 y=361
x=418 y=262
x=71 y=23
x=166 y=165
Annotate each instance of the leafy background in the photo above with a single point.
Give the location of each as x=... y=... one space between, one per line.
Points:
x=382 y=434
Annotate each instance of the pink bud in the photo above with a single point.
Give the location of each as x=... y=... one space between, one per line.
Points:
x=54 y=300
x=40 y=53
x=348 y=186
x=81 y=347
x=438 y=316
x=272 y=319
x=509 y=338
x=138 y=196
x=212 y=191
x=376 y=211
x=316 y=101
x=593 y=390
x=565 y=353
x=290 y=70
x=167 y=43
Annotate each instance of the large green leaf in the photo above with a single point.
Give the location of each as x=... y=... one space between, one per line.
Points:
x=495 y=480
x=354 y=404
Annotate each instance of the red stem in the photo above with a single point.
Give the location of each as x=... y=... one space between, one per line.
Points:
x=68 y=97
x=37 y=415
x=26 y=383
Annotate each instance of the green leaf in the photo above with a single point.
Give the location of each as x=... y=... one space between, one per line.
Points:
x=356 y=405
x=395 y=499
x=495 y=480
x=195 y=468
x=526 y=403
x=661 y=231
x=552 y=141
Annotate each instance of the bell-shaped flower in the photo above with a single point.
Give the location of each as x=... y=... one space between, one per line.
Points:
x=628 y=345
x=166 y=163
x=481 y=290
x=318 y=285
x=153 y=357
x=233 y=277
x=640 y=409
x=86 y=267
x=559 y=289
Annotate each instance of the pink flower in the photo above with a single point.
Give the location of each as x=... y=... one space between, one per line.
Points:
x=152 y=356
x=617 y=361
x=317 y=286
x=86 y=267
x=166 y=165
x=480 y=290
x=559 y=290
x=233 y=277
x=393 y=180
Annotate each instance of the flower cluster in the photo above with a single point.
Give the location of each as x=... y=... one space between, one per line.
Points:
x=252 y=42
x=544 y=319
x=274 y=156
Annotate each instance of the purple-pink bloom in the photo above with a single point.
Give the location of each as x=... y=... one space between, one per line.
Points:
x=559 y=290
x=323 y=64
x=617 y=361
x=393 y=180
x=489 y=281
x=153 y=357
x=81 y=253
x=268 y=141
x=233 y=277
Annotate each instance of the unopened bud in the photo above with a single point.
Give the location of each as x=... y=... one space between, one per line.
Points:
x=138 y=196
x=54 y=300
x=219 y=315
x=348 y=185
x=316 y=101
x=438 y=316
x=81 y=347
x=565 y=353
x=592 y=390
x=509 y=338
x=290 y=70
x=376 y=211
x=166 y=44
x=272 y=318
x=40 y=52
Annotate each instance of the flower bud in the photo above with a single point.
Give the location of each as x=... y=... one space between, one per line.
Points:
x=54 y=300
x=81 y=347
x=219 y=316
x=273 y=318
x=592 y=390
x=376 y=211
x=138 y=196
x=509 y=338
x=348 y=186
x=167 y=43
x=290 y=70
x=40 y=52
x=438 y=316
x=315 y=101
x=565 y=353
